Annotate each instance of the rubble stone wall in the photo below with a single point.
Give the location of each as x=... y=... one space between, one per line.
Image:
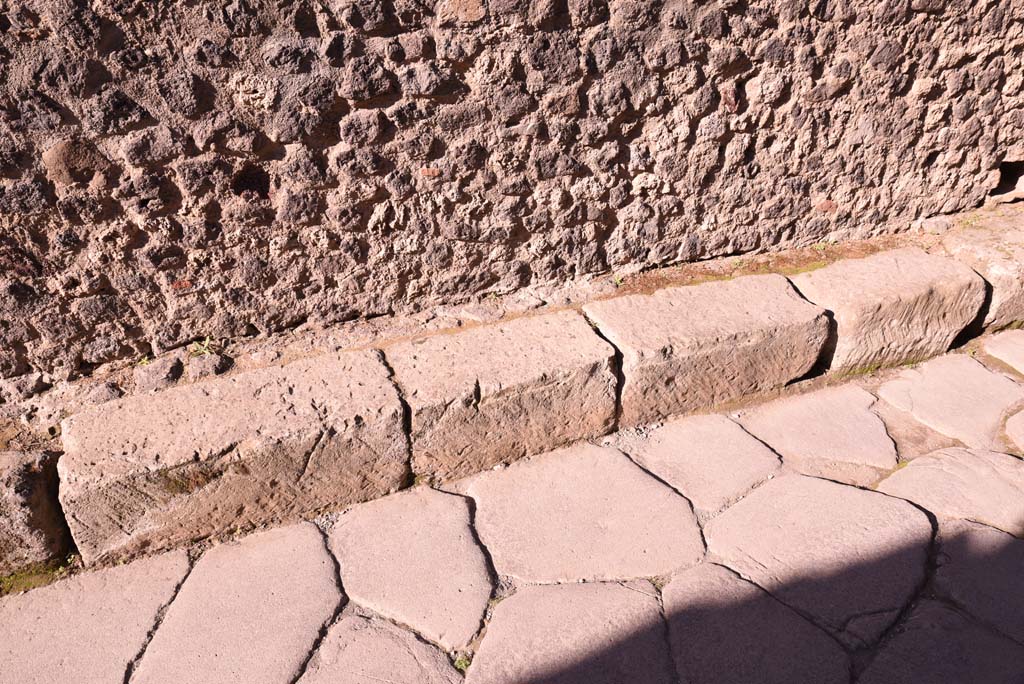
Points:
x=171 y=169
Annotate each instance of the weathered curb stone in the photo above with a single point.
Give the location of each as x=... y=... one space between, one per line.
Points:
x=582 y=513
x=594 y=633
x=1008 y=347
x=710 y=459
x=969 y=484
x=361 y=650
x=980 y=571
x=723 y=629
x=412 y=557
x=956 y=396
x=249 y=612
x=496 y=393
x=830 y=432
x=994 y=249
x=938 y=645
x=848 y=557
x=690 y=348
x=894 y=307
x=264 y=446
x=87 y=628
x=32 y=528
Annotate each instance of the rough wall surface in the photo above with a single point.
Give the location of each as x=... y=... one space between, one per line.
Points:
x=177 y=168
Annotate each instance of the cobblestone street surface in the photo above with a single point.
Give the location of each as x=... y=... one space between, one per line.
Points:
x=862 y=531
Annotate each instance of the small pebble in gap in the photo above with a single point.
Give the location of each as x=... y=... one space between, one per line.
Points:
x=157 y=374
x=205 y=365
x=104 y=392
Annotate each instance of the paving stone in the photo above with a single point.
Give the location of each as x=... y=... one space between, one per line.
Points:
x=911 y=437
x=585 y=512
x=830 y=432
x=690 y=348
x=995 y=249
x=710 y=459
x=87 y=628
x=32 y=528
x=266 y=596
x=1008 y=347
x=894 y=307
x=264 y=446
x=969 y=484
x=570 y=634
x=938 y=645
x=848 y=557
x=495 y=393
x=412 y=557
x=1015 y=431
x=725 y=630
x=957 y=396
x=980 y=569
x=362 y=650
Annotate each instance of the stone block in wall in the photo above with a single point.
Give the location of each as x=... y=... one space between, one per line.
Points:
x=495 y=393
x=690 y=348
x=995 y=249
x=32 y=528
x=893 y=307
x=268 y=445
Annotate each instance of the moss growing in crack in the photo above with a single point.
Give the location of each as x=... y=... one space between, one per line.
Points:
x=37 y=575
x=462 y=662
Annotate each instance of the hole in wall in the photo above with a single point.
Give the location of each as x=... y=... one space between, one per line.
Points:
x=1010 y=173
x=251 y=180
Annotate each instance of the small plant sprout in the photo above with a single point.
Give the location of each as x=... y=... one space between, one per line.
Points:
x=462 y=662
x=204 y=348
x=144 y=360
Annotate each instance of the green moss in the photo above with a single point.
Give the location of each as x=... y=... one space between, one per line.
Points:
x=462 y=662
x=37 y=575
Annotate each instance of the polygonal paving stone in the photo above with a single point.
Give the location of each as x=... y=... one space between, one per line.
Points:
x=725 y=630
x=413 y=558
x=969 y=484
x=912 y=438
x=571 y=634
x=956 y=396
x=249 y=613
x=584 y=512
x=848 y=557
x=1008 y=347
x=938 y=645
x=362 y=650
x=893 y=307
x=1015 y=431
x=980 y=569
x=829 y=432
x=710 y=459
x=87 y=628
x=689 y=348
x=495 y=393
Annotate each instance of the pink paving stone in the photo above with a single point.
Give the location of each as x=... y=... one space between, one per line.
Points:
x=980 y=570
x=725 y=630
x=581 y=513
x=956 y=396
x=87 y=628
x=363 y=650
x=911 y=437
x=938 y=645
x=893 y=307
x=969 y=484
x=850 y=558
x=412 y=557
x=690 y=348
x=1015 y=431
x=1008 y=347
x=495 y=393
x=829 y=432
x=575 y=634
x=710 y=459
x=250 y=612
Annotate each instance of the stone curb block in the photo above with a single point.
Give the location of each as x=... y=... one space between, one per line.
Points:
x=995 y=249
x=496 y=393
x=270 y=445
x=691 y=348
x=893 y=307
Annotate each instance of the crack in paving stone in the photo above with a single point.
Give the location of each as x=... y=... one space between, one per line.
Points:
x=330 y=621
x=492 y=572
x=159 y=618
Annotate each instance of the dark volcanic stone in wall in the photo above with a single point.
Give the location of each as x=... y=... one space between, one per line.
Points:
x=171 y=169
